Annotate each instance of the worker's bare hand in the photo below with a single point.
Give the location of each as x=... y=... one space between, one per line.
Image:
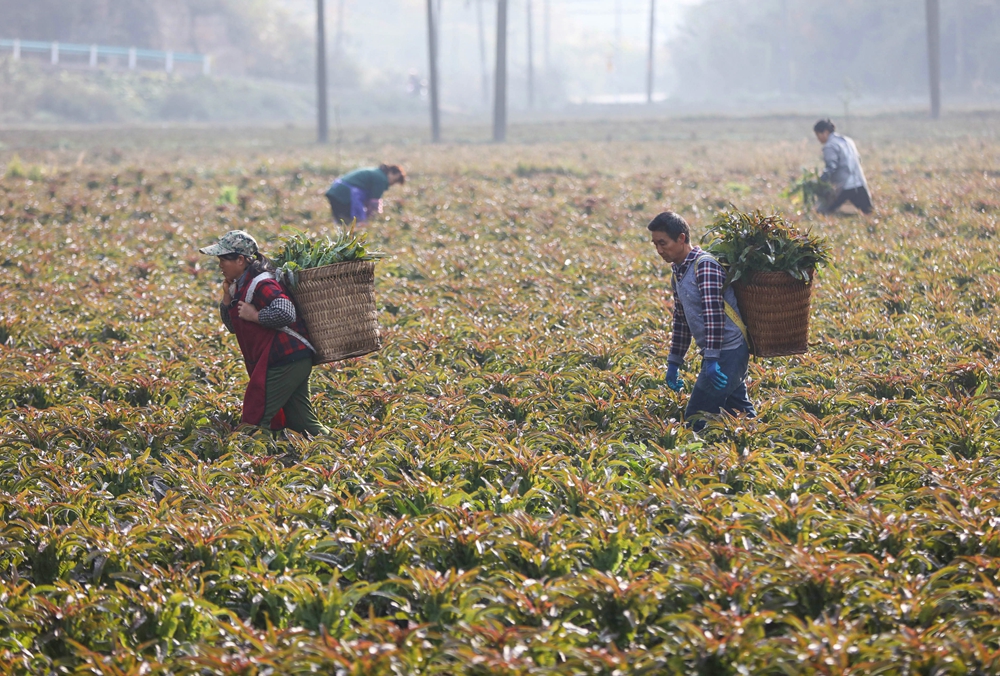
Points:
x=248 y=312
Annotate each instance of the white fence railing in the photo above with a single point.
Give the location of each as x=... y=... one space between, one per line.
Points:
x=95 y=52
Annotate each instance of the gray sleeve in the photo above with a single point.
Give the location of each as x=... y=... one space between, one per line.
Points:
x=281 y=312
x=831 y=157
x=224 y=313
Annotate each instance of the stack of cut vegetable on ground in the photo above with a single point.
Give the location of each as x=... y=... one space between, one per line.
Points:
x=809 y=189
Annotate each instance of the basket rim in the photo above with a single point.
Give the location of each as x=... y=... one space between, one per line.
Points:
x=774 y=278
x=331 y=267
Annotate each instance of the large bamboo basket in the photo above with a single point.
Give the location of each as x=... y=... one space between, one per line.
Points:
x=775 y=309
x=337 y=303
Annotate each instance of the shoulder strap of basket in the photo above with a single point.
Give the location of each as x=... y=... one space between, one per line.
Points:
x=731 y=312
x=298 y=336
x=252 y=286
x=284 y=329
x=735 y=317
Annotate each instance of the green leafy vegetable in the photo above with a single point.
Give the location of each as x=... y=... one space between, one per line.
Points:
x=228 y=194
x=507 y=488
x=746 y=243
x=809 y=189
x=299 y=252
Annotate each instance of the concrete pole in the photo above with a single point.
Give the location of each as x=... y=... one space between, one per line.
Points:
x=500 y=79
x=132 y=58
x=17 y=49
x=546 y=30
x=338 y=41
x=959 y=46
x=618 y=48
x=206 y=65
x=652 y=51
x=934 y=54
x=93 y=56
x=785 y=66
x=482 y=53
x=531 y=59
x=170 y=62
x=432 y=43
x=322 y=120
x=55 y=53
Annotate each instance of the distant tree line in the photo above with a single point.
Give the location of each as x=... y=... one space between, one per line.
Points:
x=269 y=42
x=764 y=47
x=122 y=22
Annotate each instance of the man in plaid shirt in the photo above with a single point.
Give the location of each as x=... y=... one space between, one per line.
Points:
x=700 y=314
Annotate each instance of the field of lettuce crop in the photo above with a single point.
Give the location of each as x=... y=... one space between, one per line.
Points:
x=506 y=488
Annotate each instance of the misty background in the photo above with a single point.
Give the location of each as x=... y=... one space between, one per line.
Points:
x=725 y=56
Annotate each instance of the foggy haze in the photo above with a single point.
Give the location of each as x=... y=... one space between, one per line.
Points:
x=729 y=56
x=591 y=48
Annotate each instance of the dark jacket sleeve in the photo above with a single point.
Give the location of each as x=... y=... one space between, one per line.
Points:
x=224 y=314
x=275 y=307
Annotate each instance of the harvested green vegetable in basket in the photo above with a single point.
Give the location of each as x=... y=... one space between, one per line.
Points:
x=299 y=252
x=751 y=242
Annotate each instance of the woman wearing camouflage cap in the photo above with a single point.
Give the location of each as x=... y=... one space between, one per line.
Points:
x=272 y=337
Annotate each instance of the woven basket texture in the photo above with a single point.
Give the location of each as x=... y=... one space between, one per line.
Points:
x=775 y=309
x=338 y=306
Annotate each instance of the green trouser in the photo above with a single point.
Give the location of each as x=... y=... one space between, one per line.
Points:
x=288 y=388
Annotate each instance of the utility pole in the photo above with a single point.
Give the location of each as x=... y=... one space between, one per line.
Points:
x=785 y=67
x=960 y=46
x=618 y=48
x=322 y=122
x=432 y=50
x=531 y=60
x=934 y=54
x=500 y=78
x=482 y=53
x=546 y=28
x=652 y=49
x=338 y=40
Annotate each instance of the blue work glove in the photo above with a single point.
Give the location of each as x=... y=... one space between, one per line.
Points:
x=673 y=381
x=715 y=376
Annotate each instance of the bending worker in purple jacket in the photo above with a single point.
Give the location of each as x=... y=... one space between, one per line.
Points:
x=358 y=194
x=701 y=312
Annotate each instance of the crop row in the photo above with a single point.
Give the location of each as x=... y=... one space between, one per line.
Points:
x=507 y=487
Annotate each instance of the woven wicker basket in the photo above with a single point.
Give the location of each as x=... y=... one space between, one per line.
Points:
x=338 y=306
x=775 y=309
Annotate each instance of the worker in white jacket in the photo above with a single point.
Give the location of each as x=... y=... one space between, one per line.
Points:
x=843 y=170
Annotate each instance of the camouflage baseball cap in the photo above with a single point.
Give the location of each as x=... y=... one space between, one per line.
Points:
x=233 y=242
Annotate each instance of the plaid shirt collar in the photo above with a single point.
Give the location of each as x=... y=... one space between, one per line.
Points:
x=692 y=256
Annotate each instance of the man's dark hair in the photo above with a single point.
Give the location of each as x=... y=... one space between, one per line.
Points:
x=672 y=224
x=824 y=125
